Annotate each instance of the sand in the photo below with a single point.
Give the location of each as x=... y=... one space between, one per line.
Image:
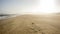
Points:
x=31 y=24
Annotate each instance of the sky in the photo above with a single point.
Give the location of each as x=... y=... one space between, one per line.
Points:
x=28 y=6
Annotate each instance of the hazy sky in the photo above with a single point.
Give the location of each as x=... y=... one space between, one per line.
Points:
x=27 y=6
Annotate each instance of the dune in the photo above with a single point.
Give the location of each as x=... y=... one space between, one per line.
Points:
x=31 y=24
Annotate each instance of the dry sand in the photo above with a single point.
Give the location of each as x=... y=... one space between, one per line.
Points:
x=31 y=24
